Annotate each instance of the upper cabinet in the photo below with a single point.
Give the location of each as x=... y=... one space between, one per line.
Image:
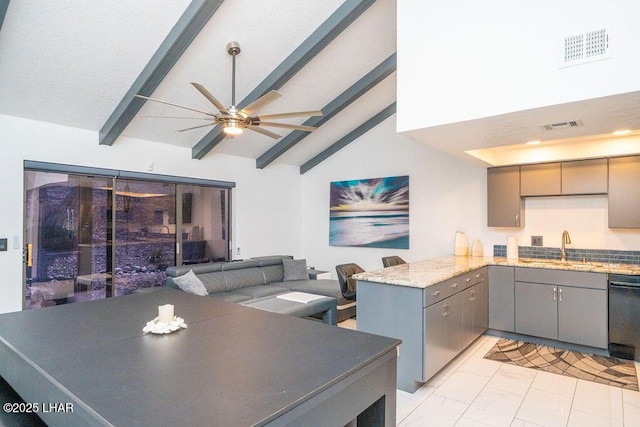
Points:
x=624 y=192
x=541 y=180
x=508 y=185
x=585 y=177
x=564 y=178
x=504 y=204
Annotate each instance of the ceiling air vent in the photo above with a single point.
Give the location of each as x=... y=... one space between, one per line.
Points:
x=586 y=47
x=562 y=125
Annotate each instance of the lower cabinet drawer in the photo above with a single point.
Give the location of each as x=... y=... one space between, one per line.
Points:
x=445 y=289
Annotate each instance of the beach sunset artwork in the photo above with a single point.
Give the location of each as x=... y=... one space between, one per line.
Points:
x=370 y=213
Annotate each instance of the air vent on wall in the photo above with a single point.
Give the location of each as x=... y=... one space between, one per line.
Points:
x=562 y=125
x=586 y=47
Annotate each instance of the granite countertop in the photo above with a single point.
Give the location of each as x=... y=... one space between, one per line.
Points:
x=421 y=274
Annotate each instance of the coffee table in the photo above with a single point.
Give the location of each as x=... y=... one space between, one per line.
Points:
x=232 y=366
x=290 y=303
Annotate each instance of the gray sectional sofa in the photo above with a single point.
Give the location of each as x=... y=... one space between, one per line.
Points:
x=239 y=281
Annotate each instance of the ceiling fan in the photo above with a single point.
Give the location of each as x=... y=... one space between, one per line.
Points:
x=234 y=121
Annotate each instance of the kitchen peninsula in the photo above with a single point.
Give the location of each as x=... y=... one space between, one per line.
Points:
x=437 y=307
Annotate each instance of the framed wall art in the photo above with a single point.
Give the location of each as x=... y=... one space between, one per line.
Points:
x=370 y=213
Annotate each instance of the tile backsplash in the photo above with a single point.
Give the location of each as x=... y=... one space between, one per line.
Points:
x=591 y=255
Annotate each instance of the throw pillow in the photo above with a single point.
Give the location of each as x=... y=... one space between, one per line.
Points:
x=295 y=269
x=190 y=283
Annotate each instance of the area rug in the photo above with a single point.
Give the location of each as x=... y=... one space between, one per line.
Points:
x=600 y=369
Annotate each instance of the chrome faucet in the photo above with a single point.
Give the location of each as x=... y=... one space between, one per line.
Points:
x=565 y=240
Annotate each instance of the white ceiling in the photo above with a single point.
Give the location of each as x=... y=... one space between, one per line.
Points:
x=70 y=62
x=493 y=138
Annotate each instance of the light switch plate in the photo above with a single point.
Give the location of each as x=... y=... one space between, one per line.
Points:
x=536 y=240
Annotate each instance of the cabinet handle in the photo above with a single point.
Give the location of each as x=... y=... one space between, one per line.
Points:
x=454 y=285
x=468 y=279
x=477 y=276
x=445 y=312
x=473 y=295
x=436 y=293
x=555 y=294
x=517 y=219
x=560 y=298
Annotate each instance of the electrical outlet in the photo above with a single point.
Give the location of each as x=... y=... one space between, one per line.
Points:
x=238 y=251
x=536 y=240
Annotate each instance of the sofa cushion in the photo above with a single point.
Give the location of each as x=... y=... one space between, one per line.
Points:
x=239 y=265
x=212 y=267
x=260 y=291
x=190 y=283
x=273 y=273
x=295 y=269
x=213 y=282
x=230 y=296
x=271 y=259
x=243 y=278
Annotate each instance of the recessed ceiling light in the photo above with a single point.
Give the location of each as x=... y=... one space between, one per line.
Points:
x=536 y=142
x=622 y=132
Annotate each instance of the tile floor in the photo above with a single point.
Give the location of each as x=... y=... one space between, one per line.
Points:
x=472 y=391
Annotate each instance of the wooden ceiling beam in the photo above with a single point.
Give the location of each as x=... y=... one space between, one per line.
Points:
x=318 y=40
x=359 y=88
x=194 y=18
x=349 y=138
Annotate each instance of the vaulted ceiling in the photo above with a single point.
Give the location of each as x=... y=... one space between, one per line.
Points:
x=79 y=64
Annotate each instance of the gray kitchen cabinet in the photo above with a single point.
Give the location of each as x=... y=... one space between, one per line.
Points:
x=585 y=177
x=475 y=312
x=569 y=306
x=502 y=298
x=505 y=206
x=443 y=333
x=536 y=310
x=428 y=320
x=580 y=316
x=624 y=192
x=543 y=179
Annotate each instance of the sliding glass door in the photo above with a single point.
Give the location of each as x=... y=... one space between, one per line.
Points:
x=204 y=221
x=145 y=234
x=66 y=233
x=93 y=237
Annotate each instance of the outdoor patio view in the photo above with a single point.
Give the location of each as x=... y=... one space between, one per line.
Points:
x=96 y=237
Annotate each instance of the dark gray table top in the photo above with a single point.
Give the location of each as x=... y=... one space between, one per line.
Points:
x=234 y=365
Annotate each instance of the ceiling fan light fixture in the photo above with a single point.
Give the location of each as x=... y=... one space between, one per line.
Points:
x=232 y=128
x=232 y=120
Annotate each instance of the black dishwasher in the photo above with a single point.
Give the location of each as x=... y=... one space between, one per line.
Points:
x=624 y=316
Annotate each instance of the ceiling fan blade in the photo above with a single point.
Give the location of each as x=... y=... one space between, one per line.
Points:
x=196 y=127
x=210 y=97
x=176 y=105
x=288 y=126
x=289 y=115
x=265 y=99
x=175 y=117
x=264 y=132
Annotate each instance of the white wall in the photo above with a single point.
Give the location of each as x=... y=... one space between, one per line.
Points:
x=267 y=210
x=277 y=211
x=445 y=195
x=463 y=60
x=584 y=217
